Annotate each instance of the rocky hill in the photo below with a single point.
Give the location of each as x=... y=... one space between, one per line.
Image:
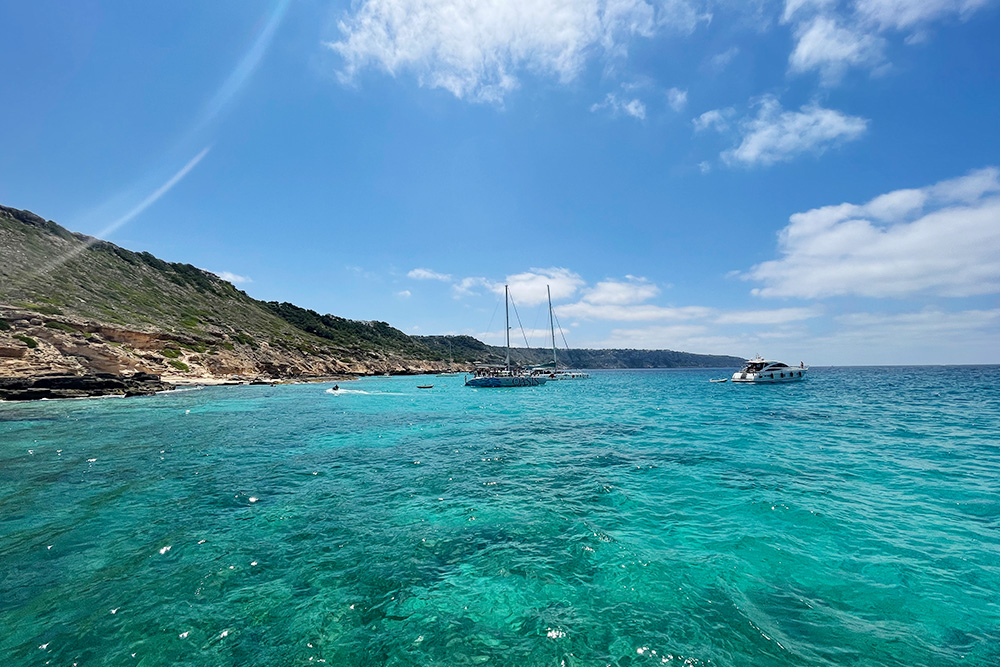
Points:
x=72 y=305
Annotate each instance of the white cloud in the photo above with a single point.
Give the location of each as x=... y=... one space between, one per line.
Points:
x=233 y=278
x=477 y=49
x=406 y=294
x=794 y=7
x=714 y=119
x=618 y=292
x=832 y=38
x=427 y=274
x=472 y=285
x=677 y=99
x=942 y=240
x=529 y=288
x=775 y=135
x=825 y=46
x=633 y=107
x=622 y=300
x=720 y=61
x=903 y=14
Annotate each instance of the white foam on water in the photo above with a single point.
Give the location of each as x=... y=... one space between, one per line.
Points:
x=362 y=392
x=179 y=390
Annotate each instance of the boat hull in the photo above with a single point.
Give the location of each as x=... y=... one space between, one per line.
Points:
x=771 y=377
x=504 y=381
x=570 y=375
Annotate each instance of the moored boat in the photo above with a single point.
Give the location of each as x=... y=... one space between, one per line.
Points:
x=762 y=371
x=550 y=371
x=494 y=376
x=491 y=376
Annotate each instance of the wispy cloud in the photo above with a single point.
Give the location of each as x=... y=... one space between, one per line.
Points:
x=831 y=49
x=677 y=99
x=618 y=107
x=943 y=239
x=473 y=285
x=478 y=50
x=716 y=119
x=775 y=135
x=832 y=37
x=621 y=292
x=427 y=274
x=720 y=61
x=905 y=14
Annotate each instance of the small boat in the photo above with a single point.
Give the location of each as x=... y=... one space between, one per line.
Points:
x=761 y=371
x=425 y=386
x=719 y=380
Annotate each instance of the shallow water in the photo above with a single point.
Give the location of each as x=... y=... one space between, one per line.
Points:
x=636 y=518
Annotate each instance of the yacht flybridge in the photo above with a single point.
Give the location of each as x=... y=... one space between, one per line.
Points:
x=761 y=371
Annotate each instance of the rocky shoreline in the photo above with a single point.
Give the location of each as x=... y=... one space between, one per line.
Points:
x=80 y=386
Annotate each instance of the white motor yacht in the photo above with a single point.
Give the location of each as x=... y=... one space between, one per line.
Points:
x=762 y=371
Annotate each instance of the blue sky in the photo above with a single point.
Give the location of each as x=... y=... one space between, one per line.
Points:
x=811 y=179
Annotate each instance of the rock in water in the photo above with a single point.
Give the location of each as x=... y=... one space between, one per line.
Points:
x=80 y=386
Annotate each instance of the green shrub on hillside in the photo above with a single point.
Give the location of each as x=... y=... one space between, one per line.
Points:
x=4 y=325
x=44 y=310
x=27 y=340
x=170 y=353
x=60 y=326
x=244 y=339
x=179 y=365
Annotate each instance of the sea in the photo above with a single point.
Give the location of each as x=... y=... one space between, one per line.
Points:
x=637 y=518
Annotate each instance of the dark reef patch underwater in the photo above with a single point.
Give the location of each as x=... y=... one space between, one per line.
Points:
x=637 y=518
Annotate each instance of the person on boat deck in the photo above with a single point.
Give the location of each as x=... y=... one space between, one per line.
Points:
x=802 y=364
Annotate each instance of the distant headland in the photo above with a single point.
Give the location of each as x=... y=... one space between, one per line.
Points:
x=80 y=316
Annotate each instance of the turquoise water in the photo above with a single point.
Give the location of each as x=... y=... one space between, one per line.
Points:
x=638 y=518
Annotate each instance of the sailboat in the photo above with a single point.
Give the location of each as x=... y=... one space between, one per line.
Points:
x=451 y=363
x=495 y=375
x=552 y=372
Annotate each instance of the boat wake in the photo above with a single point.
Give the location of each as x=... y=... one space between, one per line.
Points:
x=362 y=392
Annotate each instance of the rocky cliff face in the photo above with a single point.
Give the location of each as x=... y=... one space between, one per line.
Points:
x=34 y=344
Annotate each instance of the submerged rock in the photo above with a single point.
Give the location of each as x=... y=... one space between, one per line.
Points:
x=80 y=386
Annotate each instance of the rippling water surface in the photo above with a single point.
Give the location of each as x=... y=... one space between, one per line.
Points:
x=638 y=518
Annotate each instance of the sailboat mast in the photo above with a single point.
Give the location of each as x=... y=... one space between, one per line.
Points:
x=506 y=308
x=552 y=325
